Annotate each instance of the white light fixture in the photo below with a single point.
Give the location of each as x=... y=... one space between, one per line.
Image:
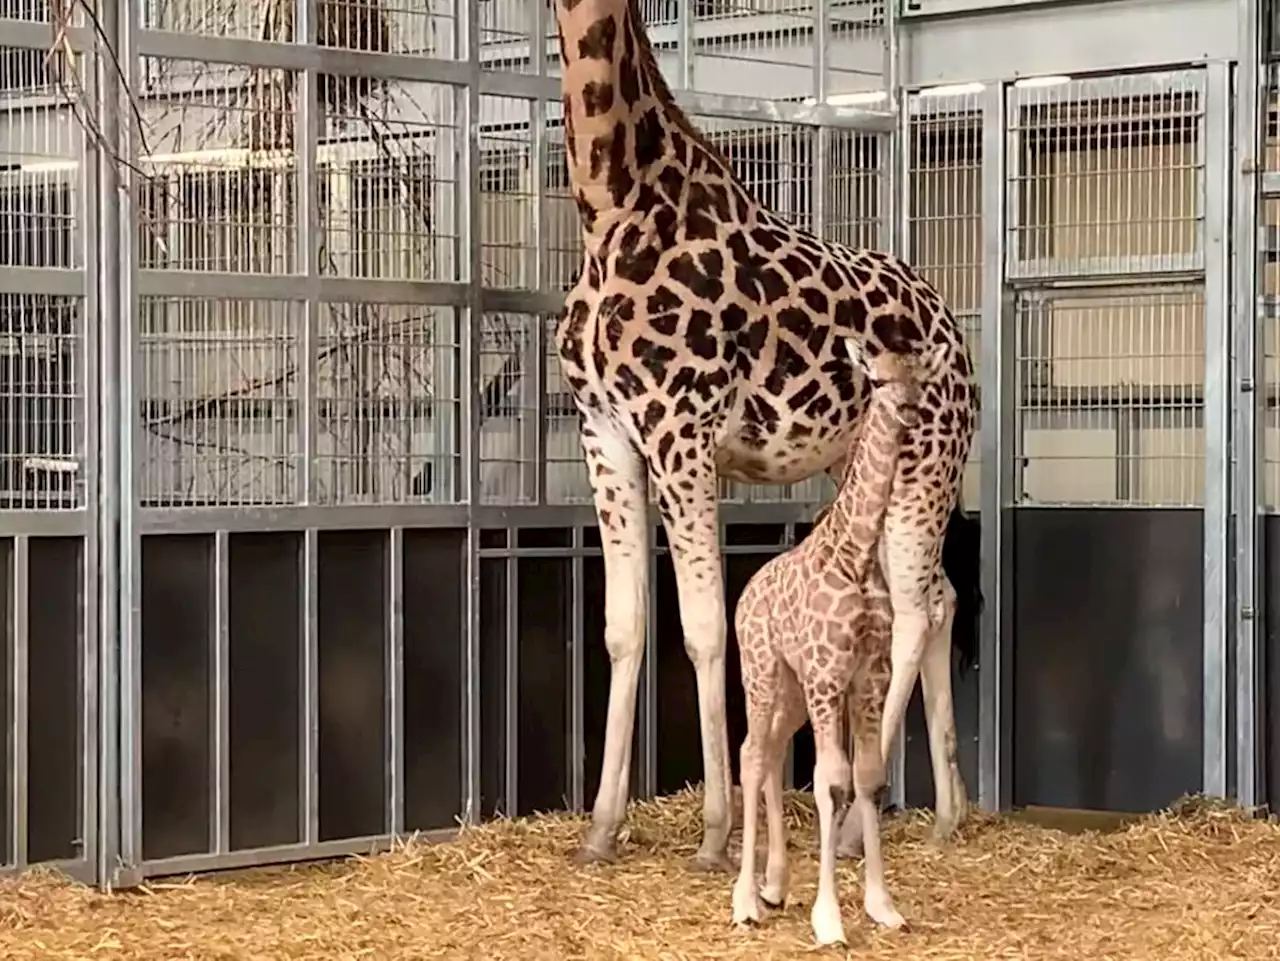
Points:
x=1054 y=80
x=856 y=99
x=952 y=90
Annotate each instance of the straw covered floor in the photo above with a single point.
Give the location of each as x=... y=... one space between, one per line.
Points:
x=1199 y=882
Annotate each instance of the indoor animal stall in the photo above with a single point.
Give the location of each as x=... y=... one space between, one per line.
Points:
x=298 y=557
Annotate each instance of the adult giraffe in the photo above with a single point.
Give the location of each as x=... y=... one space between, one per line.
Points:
x=703 y=339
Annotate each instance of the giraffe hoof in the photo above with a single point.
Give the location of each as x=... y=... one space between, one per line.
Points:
x=591 y=854
x=850 y=851
x=773 y=905
x=704 y=863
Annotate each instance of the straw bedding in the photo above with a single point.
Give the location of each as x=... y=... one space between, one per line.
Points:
x=1198 y=882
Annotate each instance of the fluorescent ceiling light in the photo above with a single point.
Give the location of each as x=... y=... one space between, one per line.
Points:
x=1055 y=80
x=953 y=90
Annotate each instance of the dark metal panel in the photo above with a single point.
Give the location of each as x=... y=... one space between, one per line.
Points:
x=1108 y=639
x=679 y=750
x=433 y=605
x=919 y=772
x=493 y=675
x=56 y=705
x=544 y=610
x=1271 y=657
x=264 y=637
x=177 y=607
x=352 y=632
x=6 y=695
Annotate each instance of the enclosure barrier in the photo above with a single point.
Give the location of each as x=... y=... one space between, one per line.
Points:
x=298 y=553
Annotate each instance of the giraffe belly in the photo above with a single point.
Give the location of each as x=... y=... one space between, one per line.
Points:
x=777 y=460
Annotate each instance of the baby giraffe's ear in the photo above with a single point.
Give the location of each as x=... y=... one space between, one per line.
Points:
x=935 y=361
x=856 y=354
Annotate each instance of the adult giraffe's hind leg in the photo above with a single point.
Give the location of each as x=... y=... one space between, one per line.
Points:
x=618 y=478
x=690 y=517
x=939 y=714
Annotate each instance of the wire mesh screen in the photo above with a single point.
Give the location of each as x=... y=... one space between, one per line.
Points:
x=567 y=479
x=509 y=427
x=944 y=208
x=43 y=366
x=388 y=404
x=1106 y=176
x=773 y=160
x=559 y=229
x=1110 y=397
x=508 y=194
x=219 y=401
x=854 y=185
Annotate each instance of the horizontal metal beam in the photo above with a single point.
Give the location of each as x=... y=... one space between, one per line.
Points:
x=42 y=281
x=284 y=853
x=44 y=523
x=34 y=35
x=223 y=286
x=522 y=301
x=245 y=519
x=266 y=54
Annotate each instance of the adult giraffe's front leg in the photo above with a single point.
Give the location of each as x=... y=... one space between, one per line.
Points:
x=690 y=516
x=617 y=476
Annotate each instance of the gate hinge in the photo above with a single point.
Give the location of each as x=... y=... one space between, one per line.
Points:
x=1246 y=385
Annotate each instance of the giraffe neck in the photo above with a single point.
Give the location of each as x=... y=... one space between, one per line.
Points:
x=857 y=513
x=617 y=107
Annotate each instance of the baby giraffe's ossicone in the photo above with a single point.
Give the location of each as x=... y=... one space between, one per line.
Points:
x=814 y=630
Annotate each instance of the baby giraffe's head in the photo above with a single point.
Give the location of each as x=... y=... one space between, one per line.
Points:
x=897 y=378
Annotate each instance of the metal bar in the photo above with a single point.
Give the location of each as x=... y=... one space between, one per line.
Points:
x=511 y=687
x=309 y=664
x=210 y=284
x=647 y=696
x=40 y=35
x=49 y=523
x=93 y=569
x=175 y=520
x=1215 y=140
x=286 y=854
x=516 y=301
x=471 y=249
x=297 y=57
x=307 y=137
x=220 y=698
x=892 y=40
x=120 y=595
x=43 y=281
x=684 y=44
x=19 y=696
x=822 y=138
x=1248 y=436
x=577 y=652
x=395 y=682
x=997 y=442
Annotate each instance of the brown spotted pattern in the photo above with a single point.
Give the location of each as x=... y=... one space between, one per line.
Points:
x=702 y=339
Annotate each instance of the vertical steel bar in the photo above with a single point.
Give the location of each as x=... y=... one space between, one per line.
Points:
x=470 y=240
x=1215 y=138
x=1248 y=438
x=511 y=685
x=577 y=653
x=822 y=138
x=394 y=694
x=220 y=698
x=684 y=44
x=94 y=572
x=892 y=51
x=646 y=698
x=309 y=687
x=120 y=596
x=19 y=697
x=996 y=440
x=308 y=241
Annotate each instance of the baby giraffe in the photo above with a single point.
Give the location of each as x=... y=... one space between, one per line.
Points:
x=814 y=627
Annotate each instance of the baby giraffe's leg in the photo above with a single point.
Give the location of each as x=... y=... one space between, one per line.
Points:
x=868 y=779
x=788 y=718
x=755 y=756
x=831 y=793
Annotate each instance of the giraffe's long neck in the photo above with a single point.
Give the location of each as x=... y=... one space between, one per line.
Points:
x=857 y=513
x=616 y=106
